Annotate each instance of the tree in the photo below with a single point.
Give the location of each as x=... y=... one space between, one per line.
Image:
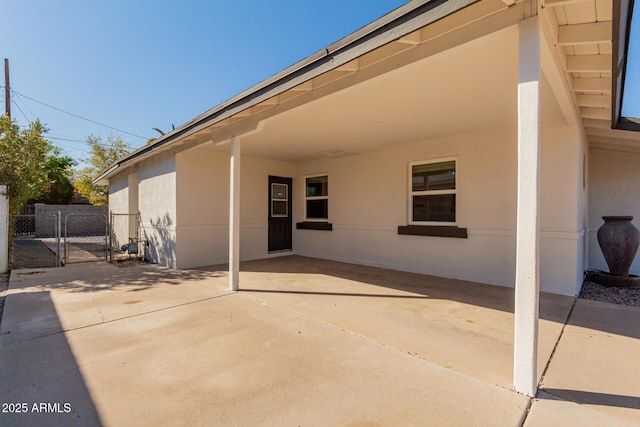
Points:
x=23 y=152
x=161 y=132
x=58 y=189
x=103 y=154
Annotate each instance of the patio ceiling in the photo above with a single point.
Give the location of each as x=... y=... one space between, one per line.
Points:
x=434 y=97
x=590 y=48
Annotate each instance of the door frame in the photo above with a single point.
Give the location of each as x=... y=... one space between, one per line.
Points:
x=283 y=242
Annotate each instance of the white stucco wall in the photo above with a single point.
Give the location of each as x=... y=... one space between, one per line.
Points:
x=119 y=193
x=184 y=205
x=368 y=201
x=203 y=206
x=614 y=190
x=157 y=204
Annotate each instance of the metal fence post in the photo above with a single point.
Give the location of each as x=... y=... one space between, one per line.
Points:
x=66 y=260
x=4 y=229
x=58 y=236
x=110 y=237
x=106 y=238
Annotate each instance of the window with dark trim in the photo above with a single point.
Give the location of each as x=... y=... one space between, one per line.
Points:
x=432 y=192
x=316 y=198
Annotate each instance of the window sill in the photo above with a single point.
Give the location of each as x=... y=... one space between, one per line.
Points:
x=310 y=225
x=433 y=230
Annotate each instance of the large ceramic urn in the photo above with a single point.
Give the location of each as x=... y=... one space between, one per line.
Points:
x=619 y=240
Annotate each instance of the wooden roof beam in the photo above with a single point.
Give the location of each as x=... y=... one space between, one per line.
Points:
x=597 y=124
x=613 y=133
x=413 y=39
x=594 y=101
x=595 y=113
x=351 y=66
x=592 y=84
x=577 y=34
x=557 y=3
x=273 y=101
x=588 y=63
x=240 y=115
x=303 y=87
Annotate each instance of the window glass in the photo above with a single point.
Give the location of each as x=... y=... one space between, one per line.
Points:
x=317 y=198
x=433 y=192
x=279 y=199
x=278 y=208
x=318 y=186
x=434 y=176
x=318 y=209
x=438 y=208
x=279 y=191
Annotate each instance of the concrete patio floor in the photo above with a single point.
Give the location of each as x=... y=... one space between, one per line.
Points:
x=305 y=342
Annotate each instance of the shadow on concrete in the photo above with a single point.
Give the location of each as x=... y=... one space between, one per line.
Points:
x=31 y=252
x=430 y=287
x=592 y=398
x=129 y=279
x=611 y=318
x=42 y=377
x=553 y=307
x=339 y=294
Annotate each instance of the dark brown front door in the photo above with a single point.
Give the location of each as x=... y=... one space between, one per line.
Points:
x=280 y=220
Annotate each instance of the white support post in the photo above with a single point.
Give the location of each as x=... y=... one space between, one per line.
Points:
x=234 y=216
x=4 y=229
x=528 y=234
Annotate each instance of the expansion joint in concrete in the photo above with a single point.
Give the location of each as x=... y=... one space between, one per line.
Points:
x=98 y=307
x=527 y=411
x=555 y=347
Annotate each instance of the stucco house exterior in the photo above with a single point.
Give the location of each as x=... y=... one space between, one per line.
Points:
x=468 y=139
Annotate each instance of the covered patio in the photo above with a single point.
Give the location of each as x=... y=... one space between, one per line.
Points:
x=306 y=342
x=464 y=326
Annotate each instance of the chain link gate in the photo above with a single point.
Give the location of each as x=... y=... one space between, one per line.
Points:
x=124 y=237
x=41 y=241
x=86 y=237
x=36 y=241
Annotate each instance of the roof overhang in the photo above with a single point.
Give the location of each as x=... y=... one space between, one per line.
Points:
x=414 y=24
x=400 y=23
x=623 y=13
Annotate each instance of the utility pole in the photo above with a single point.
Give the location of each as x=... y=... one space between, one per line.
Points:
x=7 y=88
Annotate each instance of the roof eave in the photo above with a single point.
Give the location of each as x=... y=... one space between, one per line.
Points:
x=394 y=24
x=621 y=32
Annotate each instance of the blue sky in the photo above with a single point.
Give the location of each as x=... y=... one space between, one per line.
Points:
x=135 y=65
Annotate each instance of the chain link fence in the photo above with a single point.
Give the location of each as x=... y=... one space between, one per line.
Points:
x=33 y=246
x=125 y=240
x=41 y=241
x=85 y=237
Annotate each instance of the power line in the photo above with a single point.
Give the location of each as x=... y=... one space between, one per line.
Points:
x=20 y=109
x=77 y=149
x=24 y=104
x=66 y=138
x=77 y=116
x=63 y=139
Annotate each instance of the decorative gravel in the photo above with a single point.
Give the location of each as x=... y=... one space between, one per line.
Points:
x=623 y=296
x=132 y=262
